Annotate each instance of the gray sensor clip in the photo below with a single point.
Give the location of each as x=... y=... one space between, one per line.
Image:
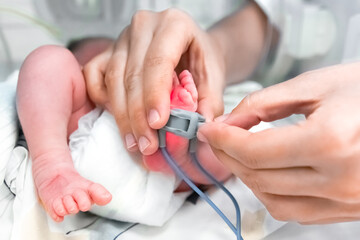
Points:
x=182 y=123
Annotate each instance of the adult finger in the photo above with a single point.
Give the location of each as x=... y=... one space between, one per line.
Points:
x=141 y=36
x=114 y=80
x=272 y=148
x=331 y=220
x=94 y=72
x=305 y=180
x=208 y=70
x=164 y=53
x=210 y=103
x=306 y=209
x=295 y=96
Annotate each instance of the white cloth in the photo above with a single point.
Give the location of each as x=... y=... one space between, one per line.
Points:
x=8 y=136
x=8 y=121
x=138 y=195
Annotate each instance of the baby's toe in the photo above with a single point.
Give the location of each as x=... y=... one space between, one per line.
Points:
x=59 y=207
x=55 y=217
x=82 y=199
x=184 y=74
x=186 y=97
x=187 y=82
x=70 y=204
x=99 y=194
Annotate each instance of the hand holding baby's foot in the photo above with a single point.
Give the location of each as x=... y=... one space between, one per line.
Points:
x=61 y=189
x=184 y=96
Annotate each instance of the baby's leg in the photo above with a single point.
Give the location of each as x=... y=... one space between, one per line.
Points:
x=185 y=96
x=51 y=97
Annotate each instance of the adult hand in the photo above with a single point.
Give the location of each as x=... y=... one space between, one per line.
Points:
x=308 y=172
x=133 y=79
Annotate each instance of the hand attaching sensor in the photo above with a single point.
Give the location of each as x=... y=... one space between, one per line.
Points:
x=185 y=124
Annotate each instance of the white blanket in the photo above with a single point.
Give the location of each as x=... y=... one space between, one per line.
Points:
x=8 y=121
x=138 y=196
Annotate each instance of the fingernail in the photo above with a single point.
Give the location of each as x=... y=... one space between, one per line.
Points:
x=222 y=118
x=153 y=116
x=201 y=137
x=143 y=143
x=130 y=140
x=106 y=195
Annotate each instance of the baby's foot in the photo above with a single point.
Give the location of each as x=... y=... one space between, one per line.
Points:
x=61 y=189
x=184 y=96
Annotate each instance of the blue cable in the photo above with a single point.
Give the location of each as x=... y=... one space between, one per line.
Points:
x=225 y=190
x=183 y=176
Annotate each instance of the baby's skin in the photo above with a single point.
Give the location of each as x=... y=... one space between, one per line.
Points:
x=185 y=96
x=51 y=98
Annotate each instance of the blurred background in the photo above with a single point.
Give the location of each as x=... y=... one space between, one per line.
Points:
x=28 y=24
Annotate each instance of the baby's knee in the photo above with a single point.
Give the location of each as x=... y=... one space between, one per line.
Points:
x=48 y=58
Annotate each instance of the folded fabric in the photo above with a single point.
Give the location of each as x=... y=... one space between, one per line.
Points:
x=138 y=195
x=8 y=121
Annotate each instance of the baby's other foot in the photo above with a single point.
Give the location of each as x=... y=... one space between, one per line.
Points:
x=184 y=96
x=62 y=190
